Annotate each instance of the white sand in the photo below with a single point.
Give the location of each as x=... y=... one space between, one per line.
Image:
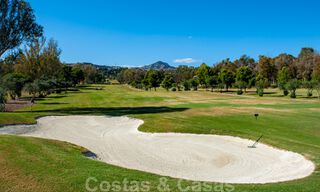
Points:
x=227 y=159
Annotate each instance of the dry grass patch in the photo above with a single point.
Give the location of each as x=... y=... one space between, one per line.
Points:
x=11 y=179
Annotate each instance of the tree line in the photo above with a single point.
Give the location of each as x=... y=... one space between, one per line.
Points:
x=37 y=68
x=285 y=72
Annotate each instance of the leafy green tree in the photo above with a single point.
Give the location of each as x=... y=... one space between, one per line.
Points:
x=267 y=68
x=194 y=83
x=187 y=85
x=77 y=75
x=212 y=81
x=3 y=98
x=51 y=64
x=17 y=24
x=243 y=76
x=227 y=65
x=183 y=73
x=8 y=63
x=40 y=60
x=44 y=86
x=202 y=74
x=32 y=89
x=283 y=79
x=146 y=84
x=167 y=82
x=227 y=78
x=66 y=76
x=14 y=83
x=154 y=79
x=261 y=83
x=310 y=86
x=292 y=86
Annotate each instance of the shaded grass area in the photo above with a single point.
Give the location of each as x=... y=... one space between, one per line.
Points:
x=29 y=164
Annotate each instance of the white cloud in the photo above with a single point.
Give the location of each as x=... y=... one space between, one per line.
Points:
x=185 y=60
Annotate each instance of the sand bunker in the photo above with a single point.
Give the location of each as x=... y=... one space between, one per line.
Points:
x=227 y=159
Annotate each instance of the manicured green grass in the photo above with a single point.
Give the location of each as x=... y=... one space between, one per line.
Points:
x=30 y=164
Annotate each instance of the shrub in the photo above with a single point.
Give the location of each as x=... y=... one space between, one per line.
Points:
x=174 y=89
x=194 y=83
x=186 y=85
x=292 y=86
x=3 y=96
x=260 y=92
x=239 y=92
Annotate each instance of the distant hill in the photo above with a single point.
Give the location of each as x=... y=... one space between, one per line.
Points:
x=110 y=72
x=103 y=67
x=160 y=65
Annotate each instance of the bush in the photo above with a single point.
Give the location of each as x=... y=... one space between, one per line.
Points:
x=3 y=96
x=187 y=85
x=58 y=91
x=309 y=94
x=174 y=89
x=194 y=83
x=260 y=92
x=292 y=86
x=285 y=92
x=239 y=92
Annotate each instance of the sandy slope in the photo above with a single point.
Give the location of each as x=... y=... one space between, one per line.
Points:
x=117 y=141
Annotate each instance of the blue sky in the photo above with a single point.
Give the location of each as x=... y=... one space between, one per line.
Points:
x=139 y=32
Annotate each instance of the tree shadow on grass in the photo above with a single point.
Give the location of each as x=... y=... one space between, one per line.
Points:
x=53 y=103
x=112 y=111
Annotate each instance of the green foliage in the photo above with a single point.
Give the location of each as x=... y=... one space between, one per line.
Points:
x=261 y=83
x=283 y=78
x=152 y=79
x=77 y=75
x=292 y=86
x=146 y=84
x=32 y=89
x=183 y=73
x=14 y=83
x=3 y=98
x=310 y=86
x=194 y=84
x=243 y=76
x=260 y=92
x=8 y=63
x=227 y=78
x=40 y=60
x=167 y=82
x=212 y=81
x=17 y=24
x=239 y=92
x=187 y=85
x=203 y=73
